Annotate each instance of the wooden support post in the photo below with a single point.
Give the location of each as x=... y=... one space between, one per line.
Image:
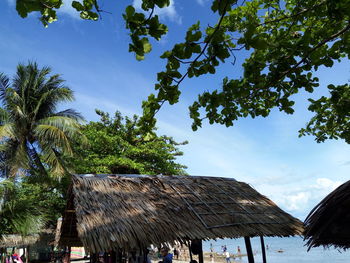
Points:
x=248 y=246
x=200 y=255
x=26 y=254
x=189 y=249
x=263 y=249
x=113 y=256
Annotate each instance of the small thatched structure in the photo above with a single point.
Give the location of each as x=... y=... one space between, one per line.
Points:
x=108 y=212
x=328 y=223
x=17 y=240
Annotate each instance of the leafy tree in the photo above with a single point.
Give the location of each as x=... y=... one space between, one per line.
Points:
x=332 y=117
x=19 y=214
x=33 y=134
x=117 y=145
x=286 y=43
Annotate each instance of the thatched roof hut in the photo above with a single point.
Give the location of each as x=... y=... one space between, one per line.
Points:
x=328 y=223
x=17 y=240
x=106 y=212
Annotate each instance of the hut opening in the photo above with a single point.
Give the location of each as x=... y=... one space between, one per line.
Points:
x=118 y=213
x=33 y=248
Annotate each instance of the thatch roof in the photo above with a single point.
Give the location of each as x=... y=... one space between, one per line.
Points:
x=328 y=223
x=17 y=240
x=105 y=212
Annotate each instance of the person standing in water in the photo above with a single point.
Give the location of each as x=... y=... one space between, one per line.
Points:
x=228 y=257
x=239 y=252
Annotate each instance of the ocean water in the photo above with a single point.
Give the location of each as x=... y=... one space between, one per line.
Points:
x=294 y=250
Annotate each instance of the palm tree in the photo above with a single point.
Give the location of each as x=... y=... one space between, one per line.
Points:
x=18 y=216
x=33 y=134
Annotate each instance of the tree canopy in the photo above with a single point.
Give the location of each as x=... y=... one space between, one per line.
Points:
x=33 y=134
x=117 y=145
x=286 y=43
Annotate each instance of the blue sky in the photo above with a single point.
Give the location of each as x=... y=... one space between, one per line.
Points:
x=294 y=172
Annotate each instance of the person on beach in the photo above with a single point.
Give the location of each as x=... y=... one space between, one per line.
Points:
x=147 y=255
x=176 y=253
x=224 y=249
x=16 y=258
x=211 y=258
x=167 y=257
x=228 y=257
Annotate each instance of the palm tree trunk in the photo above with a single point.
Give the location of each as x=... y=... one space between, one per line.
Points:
x=37 y=160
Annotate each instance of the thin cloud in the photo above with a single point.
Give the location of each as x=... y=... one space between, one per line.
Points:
x=67 y=9
x=11 y=2
x=168 y=12
x=202 y=2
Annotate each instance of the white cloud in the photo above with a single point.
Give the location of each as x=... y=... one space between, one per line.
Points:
x=326 y=184
x=297 y=201
x=67 y=9
x=202 y=2
x=300 y=196
x=168 y=12
x=88 y=104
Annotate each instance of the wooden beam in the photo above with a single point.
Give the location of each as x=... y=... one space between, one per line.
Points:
x=200 y=255
x=248 y=246
x=263 y=249
x=190 y=250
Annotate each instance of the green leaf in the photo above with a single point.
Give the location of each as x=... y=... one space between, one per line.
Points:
x=130 y=11
x=78 y=6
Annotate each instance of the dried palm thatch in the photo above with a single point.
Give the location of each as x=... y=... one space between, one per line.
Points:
x=106 y=212
x=17 y=241
x=46 y=236
x=328 y=222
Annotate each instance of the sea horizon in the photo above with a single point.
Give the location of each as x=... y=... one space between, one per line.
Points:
x=280 y=250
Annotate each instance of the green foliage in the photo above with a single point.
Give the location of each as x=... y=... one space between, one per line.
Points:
x=284 y=42
x=332 y=115
x=287 y=42
x=30 y=204
x=141 y=27
x=18 y=213
x=117 y=145
x=46 y=9
x=33 y=135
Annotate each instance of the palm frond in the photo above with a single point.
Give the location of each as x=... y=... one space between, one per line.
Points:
x=7 y=131
x=4 y=85
x=4 y=116
x=27 y=223
x=29 y=118
x=69 y=113
x=51 y=136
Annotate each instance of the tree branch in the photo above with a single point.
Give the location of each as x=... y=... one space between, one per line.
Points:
x=332 y=37
x=206 y=45
x=291 y=16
